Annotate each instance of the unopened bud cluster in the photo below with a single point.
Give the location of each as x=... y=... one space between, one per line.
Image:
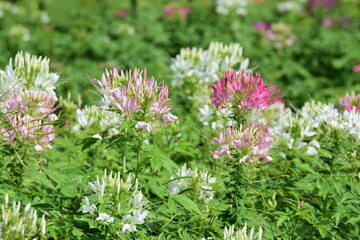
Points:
x=115 y=200
x=97 y=122
x=17 y=223
x=201 y=183
x=231 y=234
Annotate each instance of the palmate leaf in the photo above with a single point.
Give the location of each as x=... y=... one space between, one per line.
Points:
x=88 y=142
x=158 y=159
x=187 y=203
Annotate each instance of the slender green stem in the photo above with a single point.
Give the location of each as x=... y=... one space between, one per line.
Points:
x=138 y=156
x=23 y=166
x=293 y=229
x=124 y=160
x=134 y=5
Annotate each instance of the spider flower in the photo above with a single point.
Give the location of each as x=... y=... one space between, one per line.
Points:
x=115 y=200
x=356 y=68
x=350 y=102
x=250 y=144
x=322 y=3
x=29 y=118
x=200 y=182
x=231 y=234
x=20 y=224
x=244 y=91
x=28 y=71
x=135 y=96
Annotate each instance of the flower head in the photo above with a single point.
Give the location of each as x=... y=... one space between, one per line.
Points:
x=248 y=144
x=244 y=91
x=30 y=72
x=29 y=118
x=356 y=68
x=350 y=102
x=134 y=95
x=186 y=178
x=20 y=224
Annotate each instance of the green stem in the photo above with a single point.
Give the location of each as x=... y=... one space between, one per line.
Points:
x=134 y=5
x=22 y=167
x=293 y=230
x=124 y=160
x=138 y=159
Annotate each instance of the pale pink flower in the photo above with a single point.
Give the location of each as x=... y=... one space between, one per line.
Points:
x=143 y=125
x=254 y=141
x=328 y=22
x=169 y=10
x=183 y=12
x=29 y=117
x=262 y=25
x=38 y=148
x=322 y=3
x=350 y=102
x=169 y=118
x=121 y=14
x=134 y=95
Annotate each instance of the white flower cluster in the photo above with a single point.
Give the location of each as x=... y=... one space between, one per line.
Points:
x=98 y=119
x=28 y=72
x=216 y=118
x=291 y=5
x=224 y=7
x=206 y=66
x=319 y=114
x=231 y=234
x=301 y=129
x=194 y=70
x=15 y=224
x=116 y=195
x=201 y=182
x=7 y=7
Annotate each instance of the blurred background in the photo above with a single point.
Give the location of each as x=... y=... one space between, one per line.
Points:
x=308 y=48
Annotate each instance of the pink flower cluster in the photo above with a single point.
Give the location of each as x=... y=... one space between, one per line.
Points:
x=343 y=21
x=251 y=144
x=350 y=102
x=244 y=91
x=356 y=68
x=29 y=118
x=173 y=9
x=279 y=34
x=322 y=3
x=136 y=96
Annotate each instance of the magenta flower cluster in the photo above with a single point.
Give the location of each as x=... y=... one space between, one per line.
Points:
x=246 y=91
x=249 y=145
x=356 y=68
x=136 y=97
x=29 y=118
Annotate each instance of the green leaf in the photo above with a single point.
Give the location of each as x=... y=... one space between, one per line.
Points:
x=281 y=220
x=187 y=203
x=325 y=153
x=69 y=191
x=77 y=232
x=158 y=158
x=325 y=187
x=88 y=142
x=353 y=220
